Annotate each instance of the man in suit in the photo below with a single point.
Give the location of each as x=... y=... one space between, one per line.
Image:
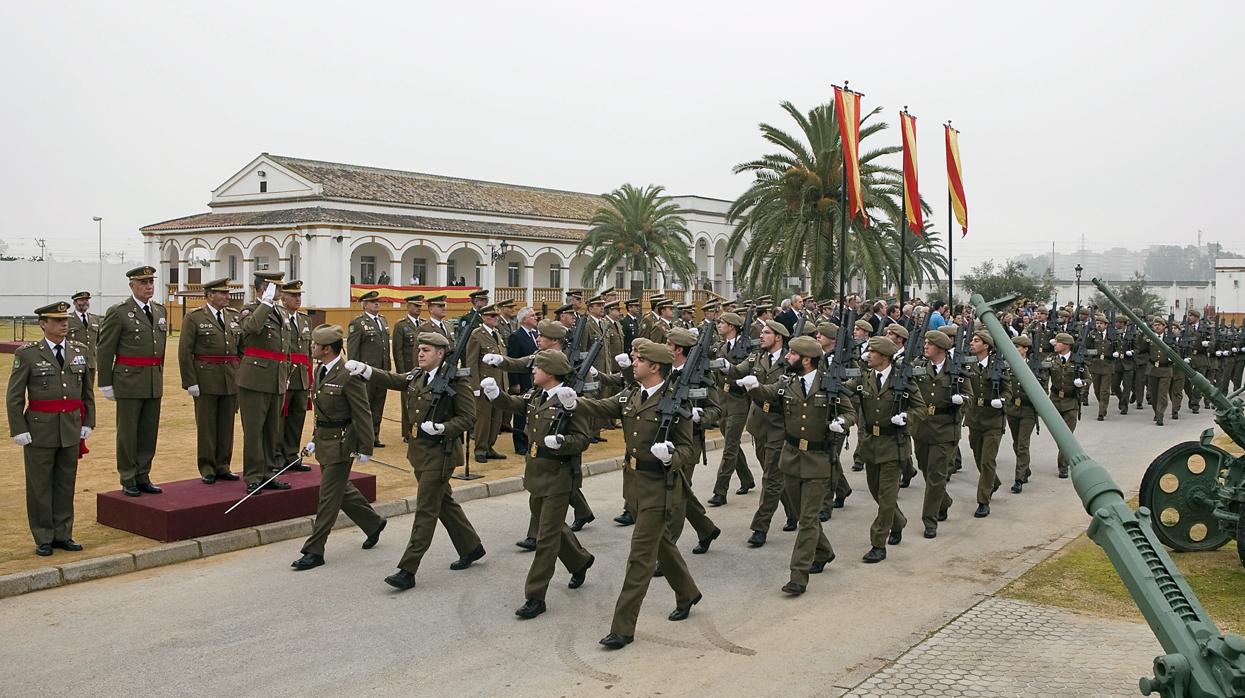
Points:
x=132 y=339
x=51 y=413
x=84 y=329
x=485 y=339
x=522 y=344
x=208 y=357
x=405 y=334
x=630 y=322
x=789 y=315
x=369 y=343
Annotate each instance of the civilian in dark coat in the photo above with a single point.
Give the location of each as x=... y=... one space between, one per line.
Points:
x=522 y=343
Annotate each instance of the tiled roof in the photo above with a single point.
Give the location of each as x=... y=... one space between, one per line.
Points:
x=336 y=216
x=435 y=191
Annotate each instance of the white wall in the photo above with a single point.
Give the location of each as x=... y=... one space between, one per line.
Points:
x=1230 y=285
x=26 y=285
x=1195 y=294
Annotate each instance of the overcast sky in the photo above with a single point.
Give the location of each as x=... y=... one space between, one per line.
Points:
x=1119 y=121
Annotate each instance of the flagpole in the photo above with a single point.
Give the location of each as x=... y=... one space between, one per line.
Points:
x=950 y=239
x=903 y=219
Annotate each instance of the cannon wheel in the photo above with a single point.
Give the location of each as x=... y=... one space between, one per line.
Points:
x=1179 y=489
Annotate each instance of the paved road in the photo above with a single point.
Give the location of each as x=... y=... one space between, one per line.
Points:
x=245 y=624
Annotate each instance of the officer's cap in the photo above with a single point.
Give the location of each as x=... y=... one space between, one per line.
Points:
x=325 y=335
x=436 y=300
x=596 y=300
x=417 y=299
x=53 y=311
x=681 y=337
x=551 y=330
x=140 y=273
x=568 y=308
x=216 y=285
x=711 y=305
x=264 y=277
x=630 y=302
x=663 y=303
x=778 y=328
x=552 y=362
x=652 y=351
x=938 y=339
x=80 y=295
x=433 y=339
x=370 y=296
x=295 y=286
x=505 y=305
x=883 y=345
x=806 y=346
x=488 y=310
x=476 y=295
x=611 y=305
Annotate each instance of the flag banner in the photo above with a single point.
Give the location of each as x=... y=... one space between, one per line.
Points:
x=955 y=179
x=911 y=192
x=847 y=111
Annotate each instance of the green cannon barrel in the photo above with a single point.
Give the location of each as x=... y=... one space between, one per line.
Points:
x=1200 y=661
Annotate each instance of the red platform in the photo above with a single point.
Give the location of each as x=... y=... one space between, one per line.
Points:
x=189 y=508
x=11 y=347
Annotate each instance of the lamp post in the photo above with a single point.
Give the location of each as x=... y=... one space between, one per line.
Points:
x=495 y=253
x=99 y=222
x=1078 y=269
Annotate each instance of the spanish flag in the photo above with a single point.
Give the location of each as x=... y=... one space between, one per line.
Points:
x=847 y=111
x=955 y=179
x=911 y=192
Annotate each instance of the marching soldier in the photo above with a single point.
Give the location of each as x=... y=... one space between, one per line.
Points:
x=1021 y=415
x=898 y=334
x=1141 y=366
x=405 y=336
x=51 y=415
x=436 y=320
x=434 y=451
x=654 y=493
x=1201 y=356
x=1122 y=378
x=936 y=430
x=883 y=443
x=84 y=329
x=551 y=473
x=132 y=339
x=1159 y=371
x=343 y=432
x=861 y=332
x=486 y=340
x=807 y=431
x=706 y=412
x=208 y=357
x=1184 y=344
x=298 y=392
x=369 y=343
x=838 y=489
x=262 y=381
x=1065 y=388
x=985 y=419
x=1038 y=332
x=1102 y=367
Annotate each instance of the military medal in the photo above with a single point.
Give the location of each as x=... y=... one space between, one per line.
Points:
x=534 y=447
x=877 y=431
x=930 y=408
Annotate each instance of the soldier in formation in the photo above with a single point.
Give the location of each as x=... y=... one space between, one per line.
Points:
x=208 y=356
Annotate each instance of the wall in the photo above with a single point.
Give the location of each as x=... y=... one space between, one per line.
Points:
x=26 y=285
x=1230 y=285
x=1176 y=295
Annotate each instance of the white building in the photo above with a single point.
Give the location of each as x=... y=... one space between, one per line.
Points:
x=329 y=223
x=1229 y=283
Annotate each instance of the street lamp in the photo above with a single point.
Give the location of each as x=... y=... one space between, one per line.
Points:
x=1078 y=269
x=499 y=252
x=99 y=221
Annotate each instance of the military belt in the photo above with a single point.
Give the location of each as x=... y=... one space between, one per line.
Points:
x=806 y=445
x=258 y=353
x=63 y=406
x=880 y=430
x=332 y=423
x=650 y=464
x=123 y=360
x=296 y=358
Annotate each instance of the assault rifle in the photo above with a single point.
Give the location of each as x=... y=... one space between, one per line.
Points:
x=691 y=383
x=903 y=385
x=575 y=339
x=577 y=382
x=955 y=367
x=441 y=407
x=1080 y=357
x=834 y=378
x=743 y=343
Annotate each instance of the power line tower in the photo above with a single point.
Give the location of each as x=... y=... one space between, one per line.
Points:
x=43 y=244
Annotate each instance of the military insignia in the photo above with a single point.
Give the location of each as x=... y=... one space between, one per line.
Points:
x=981 y=401
x=533 y=453
x=931 y=409
x=130 y=314
x=79 y=360
x=877 y=431
x=1018 y=402
x=17 y=362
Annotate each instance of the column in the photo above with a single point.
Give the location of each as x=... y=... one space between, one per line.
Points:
x=214 y=269
x=248 y=278
x=565 y=273
x=711 y=273
x=183 y=271
x=530 y=298
x=728 y=284
x=395 y=273
x=442 y=277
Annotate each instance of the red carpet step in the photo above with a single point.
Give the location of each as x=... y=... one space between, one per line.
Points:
x=189 y=508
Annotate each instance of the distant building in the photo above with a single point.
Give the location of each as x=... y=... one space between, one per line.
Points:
x=1229 y=283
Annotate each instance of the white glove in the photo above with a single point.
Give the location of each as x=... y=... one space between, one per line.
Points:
x=957 y=399
x=1236 y=350
x=85 y=433
x=106 y=391
x=270 y=292
x=358 y=368
x=1115 y=354
x=554 y=441
x=748 y=382
x=996 y=404
x=623 y=360
x=719 y=364
x=592 y=371
x=489 y=387
x=432 y=429
x=1078 y=383
x=193 y=390
x=310 y=448
x=492 y=359
x=697 y=414
x=566 y=396
x=1188 y=360
x=362 y=457
x=900 y=420
x=836 y=425
x=664 y=451
x=1052 y=342
x=1128 y=353
x=695 y=332
x=23 y=439
x=1206 y=342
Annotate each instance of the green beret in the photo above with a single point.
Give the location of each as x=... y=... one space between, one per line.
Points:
x=938 y=339
x=551 y=330
x=863 y=325
x=325 y=335
x=552 y=362
x=434 y=339
x=1065 y=338
x=810 y=330
x=896 y=328
x=778 y=328
x=985 y=337
x=828 y=329
x=652 y=351
x=1100 y=317
x=883 y=346
x=1158 y=320
x=681 y=337
x=639 y=342
x=731 y=319
x=806 y=346
x=1022 y=340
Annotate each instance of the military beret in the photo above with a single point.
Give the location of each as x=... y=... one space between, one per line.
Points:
x=143 y=272
x=552 y=330
x=552 y=362
x=806 y=346
x=490 y=309
x=828 y=329
x=596 y=300
x=652 y=351
x=949 y=329
x=639 y=342
x=810 y=330
x=80 y=295
x=476 y=295
x=1136 y=311
x=436 y=300
x=370 y=296
x=295 y=286
x=883 y=346
x=568 y=308
x=325 y=335
x=1100 y=317
x=54 y=311
x=863 y=325
x=417 y=298
x=1193 y=313
x=216 y=285
x=267 y=276
x=731 y=319
x=778 y=328
x=1022 y=340
x=1158 y=320
x=896 y=328
x=433 y=339
x=938 y=339
x=681 y=337
x=1065 y=338
x=985 y=337
x=1121 y=318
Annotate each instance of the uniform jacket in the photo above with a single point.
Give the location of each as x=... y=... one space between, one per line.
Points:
x=1063 y=391
x=87 y=335
x=981 y=416
x=615 y=343
x=368 y=342
x=483 y=341
x=598 y=329
x=427 y=453
x=405 y=343
x=341 y=397
x=808 y=441
x=300 y=343
x=1019 y=405
x=880 y=440
x=126 y=331
x=202 y=335
x=1157 y=362
x=264 y=331
x=1103 y=363
x=764 y=419
x=547 y=472
x=640 y=424
x=37 y=376
x=446 y=329
x=945 y=422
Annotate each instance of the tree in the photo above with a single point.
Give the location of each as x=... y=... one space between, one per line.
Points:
x=790 y=216
x=638 y=227
x=1135 y=294
x=1013 y=278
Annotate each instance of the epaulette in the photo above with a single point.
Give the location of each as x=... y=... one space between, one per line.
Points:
x=28 y=345
x=76 y=342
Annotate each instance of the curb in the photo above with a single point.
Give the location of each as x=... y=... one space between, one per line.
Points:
x=195 y=548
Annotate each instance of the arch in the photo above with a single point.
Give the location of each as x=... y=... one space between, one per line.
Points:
x=547 y=270
x=377 y=240
x=577 y=266
x=265 y=255
x=229 y=256
x=368 y=261
x=293 y=254
x=168 y=246
x=510 y=270
x=720 y=263
x=465 y=262
x=700 y=255
x=419 y=260
x=258 y=241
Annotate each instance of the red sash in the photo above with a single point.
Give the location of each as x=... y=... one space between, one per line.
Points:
x=266 y=354
x=304 y=360
x=139 y=360
x=63 y=406
x=217 y=358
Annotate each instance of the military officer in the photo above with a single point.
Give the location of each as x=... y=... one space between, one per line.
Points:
x=1122 y=377
x=1065 y=387
x=898 y=334
x=884 y=443
x=132 y=339
x=706 y=412
x=937 y=429
x=405 y=334
x=298 y=392
x=1141 y=366
x=861 y=332
x=598 y=327
x=506 y=322
x=262 y=382
x=1201 y=356
x=433 y=452
x=659 y=327
x=710 y=313
x=615 y=337
x=736 y=407
x=84 y=329
x=369 y=343
x=51 y=415
x=208 y=357
x=486 y=340
x=645 y=322
x=436 y=320
x=985 y=419
x=479 y=299
x=1038 y=332
x=1102 y=365
x=654 y=494
x=810 y=417
x=1021 y=415
x=343 y=433
x=551 y=473
x=1183 y=343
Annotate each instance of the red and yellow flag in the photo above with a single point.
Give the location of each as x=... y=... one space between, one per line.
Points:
x=847 y=111
x=955 y=179
x=911 y=192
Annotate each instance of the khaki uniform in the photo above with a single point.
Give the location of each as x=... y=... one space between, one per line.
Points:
x=735 y=408
x=298 y=395
x=52 y=403
x=131 y=361
x=657 y=330
x=343 y=427
x=1039 y=338
x=883 y=448
x=936 y=432
x=985 y=425
x=208 y=357
x=488 y=415
x=1065 y=395
x=262 y=380
x=1102 y=367
x=1202 y=359
x=1022 y=419
x=1141 y=369
x=368 y=341
x=433 y=464
x=550 y=476
x=445 y=328
x=764 y=421
x=1159 y=377
x=651 y=483
x=1122 y=380
x=86 y=334
x=405 y=357
x=694 y=511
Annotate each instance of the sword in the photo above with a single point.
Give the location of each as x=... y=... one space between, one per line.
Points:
x=381 y=462
x=261 y=487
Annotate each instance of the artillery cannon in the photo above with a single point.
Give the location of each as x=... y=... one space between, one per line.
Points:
x=1200 y=661
x=1196 y=488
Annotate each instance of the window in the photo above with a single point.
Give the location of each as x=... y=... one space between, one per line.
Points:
x=451 y=271
x=263 y=186
x=419 y=269
x=477 y=275
x=367 y=269
x=512 y=274
x=620 y=278
x=261 y=263
x=233 y=267
x=555 y=275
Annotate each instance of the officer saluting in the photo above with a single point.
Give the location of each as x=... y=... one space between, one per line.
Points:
x=84 y=329
x=208 y=358
x=262 y=381
x=298 y=393
x=132 y=339
x=51 y=414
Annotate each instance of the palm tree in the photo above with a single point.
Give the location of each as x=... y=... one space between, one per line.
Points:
x=638 y=227
x=790 y=217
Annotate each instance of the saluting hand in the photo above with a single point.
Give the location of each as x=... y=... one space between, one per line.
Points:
x=270 y=292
